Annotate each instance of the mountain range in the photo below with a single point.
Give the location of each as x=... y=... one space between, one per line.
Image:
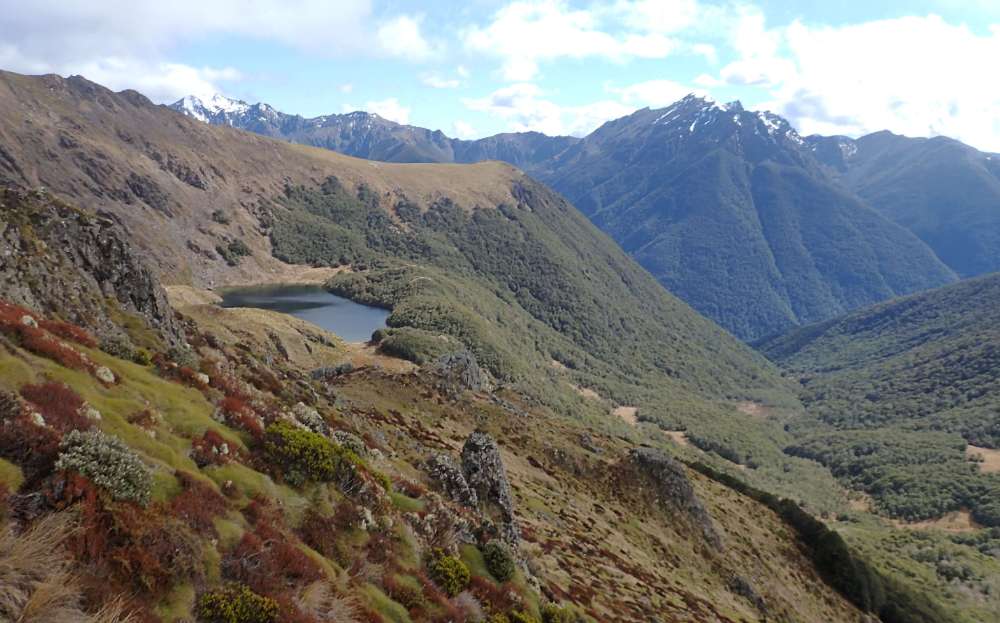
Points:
x=367 y=135
x=754 y=226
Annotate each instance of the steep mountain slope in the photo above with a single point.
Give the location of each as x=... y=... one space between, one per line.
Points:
x=367 y=135
x=945 y=192
x=728 y=210
x=80 y=268
x=896 y=392
x=479 y=252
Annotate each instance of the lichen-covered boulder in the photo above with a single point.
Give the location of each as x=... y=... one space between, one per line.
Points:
x=674 y=490
x=310 y=418
x=446 y=472
x=352 y=442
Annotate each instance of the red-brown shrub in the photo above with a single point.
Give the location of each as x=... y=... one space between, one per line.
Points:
x=266 y=381
x=40 y=343
x=267 y=559
x=59 y=405
x=411 y=597
x=197 y=504
x=270 y=563
x=226 y=384
x=212 y=449
x=36 y=339
x=409 y=487
x=240 y=415
x=131 y=548
x=34 y=448
x=381 y=547
x=69 y=331
x=233 y=405
x=495 y=597
x=320 y=533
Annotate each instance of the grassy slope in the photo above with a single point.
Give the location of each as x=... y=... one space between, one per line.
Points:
x=565 y=496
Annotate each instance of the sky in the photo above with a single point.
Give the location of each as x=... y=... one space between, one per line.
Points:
x=479 y=67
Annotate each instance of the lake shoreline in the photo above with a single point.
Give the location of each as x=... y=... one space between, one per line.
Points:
x=352 y=321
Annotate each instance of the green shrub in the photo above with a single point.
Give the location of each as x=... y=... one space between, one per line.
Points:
x=450 y=574
x=552 y=613
x=416 y=345
x=499 y=560
x=522 y=617
x=236 y=604
x=307 y=456
x=233 y=252
x=107 y=462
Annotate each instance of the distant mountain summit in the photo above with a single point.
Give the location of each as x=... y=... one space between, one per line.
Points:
x=731 y=210
x=367 y=135
x=944 y=191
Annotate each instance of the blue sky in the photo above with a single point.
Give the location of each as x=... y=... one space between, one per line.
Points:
x=921 y=67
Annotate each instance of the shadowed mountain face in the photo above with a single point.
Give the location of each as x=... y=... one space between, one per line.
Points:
x=730 y=211
x=945 y=192
x=367 y=135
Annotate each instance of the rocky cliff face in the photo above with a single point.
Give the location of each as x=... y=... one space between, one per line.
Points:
x=59 y=260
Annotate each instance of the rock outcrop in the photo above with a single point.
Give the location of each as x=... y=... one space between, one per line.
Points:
x=77 y=266
x=486 y=475
x=450 y=477
x=674 y=491
x=460 y=372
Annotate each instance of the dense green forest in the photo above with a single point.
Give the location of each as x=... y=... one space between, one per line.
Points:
x=896 y=392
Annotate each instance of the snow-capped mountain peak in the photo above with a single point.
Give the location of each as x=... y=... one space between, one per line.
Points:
x=211 y=109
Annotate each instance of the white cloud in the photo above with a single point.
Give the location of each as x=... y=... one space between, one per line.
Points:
x=523 y=108
x=161 y=81
x=402 y=37
x=665 y=16
x=526 y=33
x=439 y=82
x=462 y=129
x=919 y=76
x=390 y=109
x=127 y=44
x=652 y=93
x=63 y=30
x=345 y=88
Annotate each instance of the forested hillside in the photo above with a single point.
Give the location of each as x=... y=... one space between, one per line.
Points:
x=896 y=395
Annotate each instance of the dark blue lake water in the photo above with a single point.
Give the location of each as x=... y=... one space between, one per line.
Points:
x=352 y=321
